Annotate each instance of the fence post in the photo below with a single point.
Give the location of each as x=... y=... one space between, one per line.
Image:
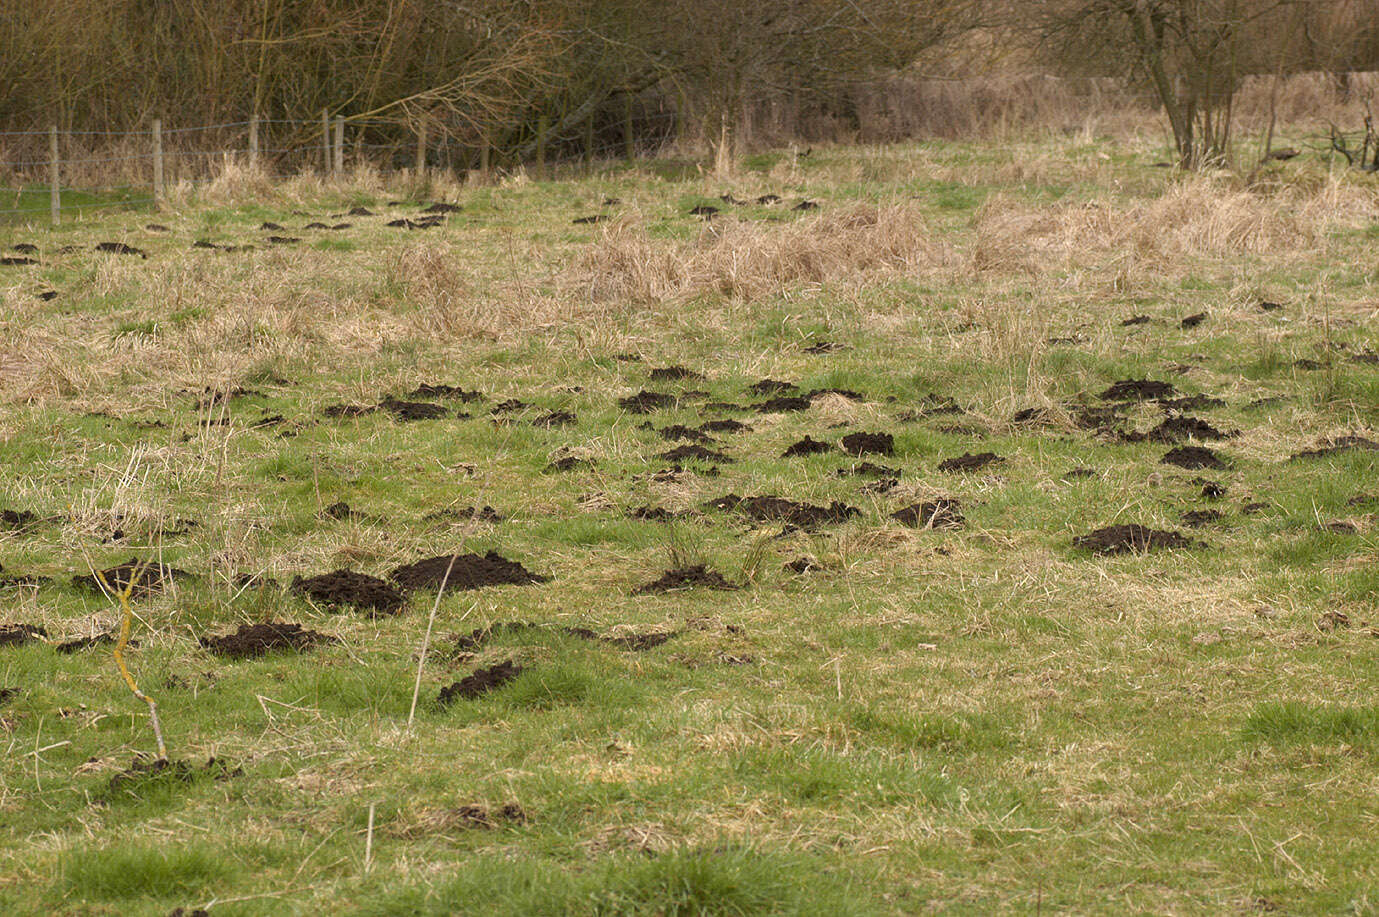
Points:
x=629 y=146
x=339 y=144
x=157 y=161
x=421 y=149
x=254 y=141
x=541 y=129
x=54 y=196
x=325 y=141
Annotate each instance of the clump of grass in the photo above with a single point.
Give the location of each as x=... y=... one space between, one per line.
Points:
x=142 y=869
x=1296 y=722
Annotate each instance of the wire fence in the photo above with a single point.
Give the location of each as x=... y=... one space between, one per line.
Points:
x=78 y=171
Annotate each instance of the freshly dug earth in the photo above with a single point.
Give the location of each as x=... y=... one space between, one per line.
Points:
x=869 y=443
x=1123 y=539
x=1138 y=390
x=807 y=446
x=470 y=571
x=481 y=682
x=19 y=634
x=969 y=462
x=257 y=639
x=645 y=402
x=1193 y=457
x=413 y=410
x=695 y=453
x=1177 y=429
x=943 y=513
x=346 y=587
x=777 y=509
x=685 y=578
x=151 y=578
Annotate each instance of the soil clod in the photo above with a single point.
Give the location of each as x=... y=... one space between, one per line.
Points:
x=698 y=575
x=1193 y=457
x=252 y=640
x=696 y=453
x=969 y=462
x=1124 y=539
x=869 y=444
x=151 y=577
x=349 y=588
x=1138 y=390
x=645 y=402
x=777 y=509
x=481 y=682
x=469 y=571
x=807 y=446
x=19 y=634
x=413 y=410
x=943 y=513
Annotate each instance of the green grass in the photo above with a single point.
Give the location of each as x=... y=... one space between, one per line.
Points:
x=976 y=720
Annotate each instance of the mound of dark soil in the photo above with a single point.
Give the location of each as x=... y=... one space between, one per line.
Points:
x=969 y=462
x=1177 y=429
x=645 y=402
x=764 y=387
x=481 y=682
x=1337 y=445
x=7 y=695
x=1076 y=473
x=1135 y=320
x=685 y=578
x=442 y=207
x=1212 y=490
x=725 y=426
x=348 y=410
x=674 y=374
x=569 y=463
x=1200 y=517
x=19 y=634
x=943 y=513
x=554 y=419
x=360 y=212
x=1192 y=457
x=870 y=470
x=426 y=390
x=510 y=406
x=267 y=226
x=777 y=509
x=807 y=446
x=822 y=347
x=27 y=248
x=257 y=639
x=152 y=577
x=680 y=431
x=696 y=453
x=1123 y=539
x=21 y=579
x=342 y=512
x=48 y=295
x=1138 y=390
x=316 y=226
x=413 y=410
x=785 y=404
x=16 y=261
x=595 y=218
x=638 y=642
x=869 y=444
x=119 y=248
x=652 y=514
x=802 y=565
x=847 y=393
x=357 y=590
x=1192 y=321
x=703 y=210
x=1192 y=403
x=805 y=205
x=469 y=571
x=17 y=519
x=769 y=199
x=283 y=240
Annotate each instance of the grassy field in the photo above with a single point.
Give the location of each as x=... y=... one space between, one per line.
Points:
x=960 y=709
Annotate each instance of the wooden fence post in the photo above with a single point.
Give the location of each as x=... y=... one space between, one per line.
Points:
x=325 y=141
x=421 y=150
x=254 y=141
x=54 y=196
x=339 y=144
x=157 y=161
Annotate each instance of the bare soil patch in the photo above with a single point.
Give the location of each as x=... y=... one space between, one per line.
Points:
x=252 y=640
x=1125 y=539
x=469 y=571
x=697 y=576
x=481 y=682
x=349 y=588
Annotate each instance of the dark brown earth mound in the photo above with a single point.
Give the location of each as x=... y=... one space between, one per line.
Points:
x=696 y=453
x=680 y=431
x=152 y=576
x=685 y=578
x=725 y=426
x=943 y=513
x=413 y=410
x=1193 y=457
x=1200 y=517
x=27 y=248
x=645 y=402
x=1177 y=429
x=16 y=261
x=772 y=387
x=509 y=406
x=1337 y=445
x=343 y=512
x=441 y=207
x=869 y=443
x=1192 y=321
x=807 y=446
x=638 y=642
x=8 y=694
x=569 y=463
x=1138 y=390
x=357 y=590
x=426 y=390
x=348 y=410
x=19 y=634
x=777 y=509
x=784 y=405
x=257 y=639
x=1198 y=402
x=1135 y=320
x=119 y=248
x=969 y=462
x=652 y=514
x=673 y=374
x=469 y=571
x=17 y=520
x=1123 y=539
x=283 y=240
x=847 y=393
x=554 y=419
x=21 y=579
x=481 y=682
x=869 y=470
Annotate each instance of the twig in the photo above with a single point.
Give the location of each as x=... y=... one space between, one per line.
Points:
x=425 y=645
x=368 y=843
